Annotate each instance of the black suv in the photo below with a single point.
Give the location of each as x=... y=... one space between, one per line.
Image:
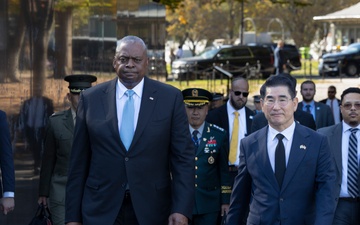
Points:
x=346 y=61
x=291 y=52
x=234 y=59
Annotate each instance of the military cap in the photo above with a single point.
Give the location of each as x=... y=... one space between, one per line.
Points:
x=257 y=98
x=78 y=83
x=217 y=96
x=196 y=97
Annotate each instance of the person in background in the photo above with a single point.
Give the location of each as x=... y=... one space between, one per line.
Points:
x=7 y=183
x=257 y=104
x=179 y=52
x=279 y=58
x=236 y=118
x=286 y=172
x=57 y=148
x=34 y=116
x=321 y=112
x=344 y=144
x=217 y=100
x=333 y=103
x=133 y=159
x=212 y=178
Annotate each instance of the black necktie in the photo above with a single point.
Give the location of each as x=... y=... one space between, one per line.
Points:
x=195 y=138
x=308 y=109
x=280 y=163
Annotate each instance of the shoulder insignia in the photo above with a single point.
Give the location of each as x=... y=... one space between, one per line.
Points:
x=217 y=127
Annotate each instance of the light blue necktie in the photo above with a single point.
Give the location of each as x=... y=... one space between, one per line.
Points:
x=127 y=120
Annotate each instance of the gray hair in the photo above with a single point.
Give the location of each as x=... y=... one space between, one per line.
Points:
x=129 y=39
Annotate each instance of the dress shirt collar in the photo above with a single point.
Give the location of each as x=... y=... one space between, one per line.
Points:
x=200 y=129
x=346 y=127
x=288 y=132
x=138 y=89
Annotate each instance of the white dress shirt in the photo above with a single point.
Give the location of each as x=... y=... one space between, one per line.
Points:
x=272 y=142
x=344 y=156
x=121 y=98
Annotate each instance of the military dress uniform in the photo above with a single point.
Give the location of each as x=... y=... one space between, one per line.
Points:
x=57 y=149
x=212 y=176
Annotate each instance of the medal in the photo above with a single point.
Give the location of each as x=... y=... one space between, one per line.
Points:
x=211 y=160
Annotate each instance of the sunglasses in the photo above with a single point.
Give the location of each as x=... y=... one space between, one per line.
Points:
x=237 y=93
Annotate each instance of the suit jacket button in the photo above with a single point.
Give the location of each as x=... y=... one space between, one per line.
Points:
x=126 y=159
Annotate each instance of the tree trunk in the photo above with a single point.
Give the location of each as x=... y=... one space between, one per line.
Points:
x=63 y=43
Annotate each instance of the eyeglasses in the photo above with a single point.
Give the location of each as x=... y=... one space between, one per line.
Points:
x=283 y=101
x=237 y=93
x=349 y=106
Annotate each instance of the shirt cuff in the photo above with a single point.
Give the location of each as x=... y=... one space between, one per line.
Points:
x=9 y=194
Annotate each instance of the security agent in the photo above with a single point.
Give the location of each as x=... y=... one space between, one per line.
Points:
x=58 y=143
x=212 y=177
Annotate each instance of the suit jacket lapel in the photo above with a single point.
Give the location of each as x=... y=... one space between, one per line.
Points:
x=297 y=153
x=335 y=139
x=108 y=100
x=148 y=102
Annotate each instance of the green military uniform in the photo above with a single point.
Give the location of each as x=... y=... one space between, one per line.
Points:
x=57 y=149
x=53 y=174
x=212 y=177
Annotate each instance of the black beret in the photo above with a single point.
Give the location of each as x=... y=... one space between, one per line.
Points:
x=78 y=83
x=196 y=96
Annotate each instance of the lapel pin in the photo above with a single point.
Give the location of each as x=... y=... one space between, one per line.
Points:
x=303 y=147
x=151 y=98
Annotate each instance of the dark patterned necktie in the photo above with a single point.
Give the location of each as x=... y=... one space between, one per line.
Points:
x=353 y=165
x=195 y=138
x=308 y=109
x=280 y=163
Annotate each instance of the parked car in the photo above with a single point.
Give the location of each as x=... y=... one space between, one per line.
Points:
x=291 y=52
x=346 y=61
x=233 y=59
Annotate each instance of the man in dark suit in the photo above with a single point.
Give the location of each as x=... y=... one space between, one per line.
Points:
x=58 y=142
x=286 y=173
x=7 y=187
x=333 y=103
x=321 y=112
x=340 y=141
x=224 y=117
x=133 y=159
x=279 y=58
x=212 y=177
x=34 y=116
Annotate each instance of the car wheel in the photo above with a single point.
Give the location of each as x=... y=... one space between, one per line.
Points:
x=351 y=70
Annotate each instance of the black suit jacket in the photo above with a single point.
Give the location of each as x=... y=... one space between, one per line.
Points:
x=6 y=157
x=300 y=116
x=158 y=168
x=339 y=102
x=219 y=117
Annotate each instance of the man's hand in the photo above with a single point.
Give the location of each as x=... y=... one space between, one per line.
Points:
x=7 y=204
x=42 y=200
x=178 y=219
x=224 y=209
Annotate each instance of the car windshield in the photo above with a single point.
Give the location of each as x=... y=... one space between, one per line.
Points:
x=208 y=54
x=352 y=49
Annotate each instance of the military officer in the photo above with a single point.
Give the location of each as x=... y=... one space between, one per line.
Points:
x=58 y=142
x=212 y=177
